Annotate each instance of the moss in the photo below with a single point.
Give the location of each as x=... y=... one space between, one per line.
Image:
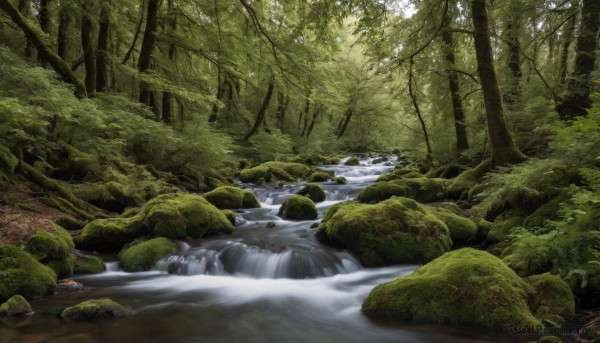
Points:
x=462 y=230
x=254 y=174
x=402 y=173
x=179 y=215
x=420 y=189
x=111 y=196
x=143 y=256
x=314 y=160
x=340 y=180
x=95 y=309
x=230 y=215
x=232 y=198
x=21 y=274
x=504 y=224
x=522 y=198
x=553 y=300
x=296 y=170
x=380 y=160
x=465 y=286
x=319 y=177
x=298 y=207
x=313 y=191
x=8 y=161
x=53 y=249
x=111 y=234
x=447 y=171
x=352 y=161
x=461 y=184
x=397 y=230
x=15 y=306
x=89 y=265
x=130 y=212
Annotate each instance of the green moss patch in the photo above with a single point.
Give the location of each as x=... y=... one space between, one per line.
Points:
x=460 y=185
x=462 y=230
x=16 y=306
x=96 y=309
x=553 y=302
x=352 y=161
x=465 y=286
x=420 y=189
x=397 y=230
x=22 y=274
x=298 y=207
x=232 y=198
x=313 y=191
x=53 y=249
x=88 y=265
x=144 y=255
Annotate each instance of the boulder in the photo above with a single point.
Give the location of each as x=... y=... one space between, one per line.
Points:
x=96 y=309
x=462 y=230
x=16 y=306
x=298 y=207
x=421 y=189
x=141 y=256
x=231 y=198
x=313 y=191
x=22 y=274
x=352 y=161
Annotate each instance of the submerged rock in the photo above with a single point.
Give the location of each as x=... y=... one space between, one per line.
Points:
x=232 y=198
x=144 y=255
x=16 y=306
x=96 y=309
x=22 y=274
x=298 y=207
x=397 y=230
x=465 y=286
x=313 y=191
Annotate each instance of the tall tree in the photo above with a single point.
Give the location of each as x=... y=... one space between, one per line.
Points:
x=504 y=151
x=147 y=48
x=260 y=116
x=103 y=46
x=89 y=55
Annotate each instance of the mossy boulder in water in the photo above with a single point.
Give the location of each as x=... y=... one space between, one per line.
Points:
x=401 y=173
x=22 y=274
x=86 y=264
x=16 y=306
x=230 y=215
x=462 y=230
x=313 y=191
x=352 y=161
x=111 y=234
x=298 y=207
x=397 y=230
x=95 y=309
x=231 y=198
x=54 y=249
x=275 y=171
x=320 y=176
x=553 y=300
x=420 y=189
x=465 y=286
x=144 y=255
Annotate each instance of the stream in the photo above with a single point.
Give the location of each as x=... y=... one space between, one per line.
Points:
x=270 y=281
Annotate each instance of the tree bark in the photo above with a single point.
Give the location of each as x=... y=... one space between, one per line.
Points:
x=35 y=35
x=282 y=103
x=45 y=21
x=413 y=97
x=568 y=38
x=148 y=47
x=135 y=36
x=577 y=101
x=316 y=113
x=102 y=50
x=64 y=22
x=460 y=127
x=344 y=125
x=89 y=56
x=260 y=117
x=25 y=10
x=167 y=106
x=504 y=150
x=512 y=96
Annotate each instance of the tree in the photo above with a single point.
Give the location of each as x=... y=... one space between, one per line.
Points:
x=146 y=50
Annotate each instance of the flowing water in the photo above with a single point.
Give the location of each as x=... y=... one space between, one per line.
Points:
x=270 y=281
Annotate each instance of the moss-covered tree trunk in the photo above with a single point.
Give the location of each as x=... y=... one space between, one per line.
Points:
x=148 y=47
x=343 y=125
x=37 y=38
x=576 y=101
x=167 y=100
x=462 y=142
x=102 y=50
x=62 y=41
x=512 y=95
x=282 y=104
x=260 y=117
x=504 y=151
x=568 y=37
x=45 y=19
x=89 y=55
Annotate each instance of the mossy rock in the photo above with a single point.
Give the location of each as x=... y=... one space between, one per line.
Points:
x=462 y=230
x=298 y=207
x=96 y=309
x=517 y=198
x=111 y=196
x=8 y=161
x=16 y=306
x=313 y=191
x=254 y=174
x=111 y=234
x=380 y=159
x=232 y=198
x=319 y=176
x=420 y=189
x=553 y=300
x=314 y=160
x=144 y=255
x=447 y=171
x=22 y=274
x=88 y=265
x=230 y=215
x=465 y=286
x=401 y=173
x=296 y=170
x=504 y=224
x=397 y=230
x=179 y=215
x=340 y=180
x=53 y=249
x=352 y=161
x=460 y=185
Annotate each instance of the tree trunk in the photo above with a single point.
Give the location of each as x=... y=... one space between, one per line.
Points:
x=568 y=38
x=102 y=50
x=576 y=101
x=344 y=125
x=45 y=21
x=462 y=142
x=147 y=48
x=25 y=10
x=167 y=105
x=136 y=35
x=512 y=96
x=314 y=120
x=504 y=150
x=64 y=22
x=44 y=48
x=282 y=104
x=214 y=114
x=413 y=97
x=89 y=56
x=260 y=117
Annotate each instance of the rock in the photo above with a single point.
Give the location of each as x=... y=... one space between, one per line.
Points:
x=111 y=234
x=553 y=300
x=270 y=225
x=504 y=224
x=462 y=230
x=96 y=309
x=313 y=191
x=232 y=198
x=352 y=161
x=341 y=180
x=420 y=189
x=88 y=265
x=319 y=176
x=144 y=255
x=21 y=274
x=255 y=174
x=465 y=286
x=53 y=249
x=298 y=207
x=401 y=173
x=380 y=160
x=16 y=306
x=397 y=230
x=230 y=216
x=460 y=185
x=68 y=286
x=273 y=171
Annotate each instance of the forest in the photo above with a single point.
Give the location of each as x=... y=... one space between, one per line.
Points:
x=299 y=170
